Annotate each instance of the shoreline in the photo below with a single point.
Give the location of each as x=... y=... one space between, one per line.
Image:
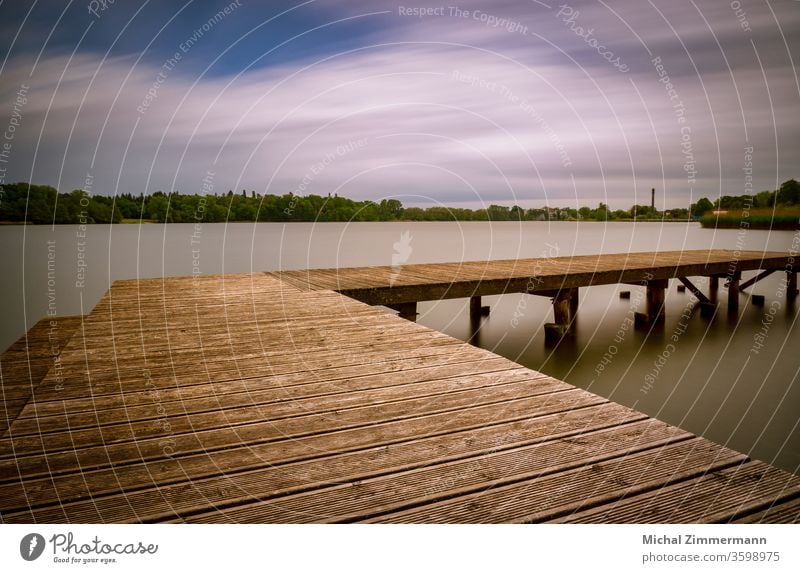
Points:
x=729 y=223
x=153 y=222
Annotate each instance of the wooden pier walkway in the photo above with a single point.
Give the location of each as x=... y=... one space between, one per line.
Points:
x=28 y=360
x=256 y=398
x=559 y=278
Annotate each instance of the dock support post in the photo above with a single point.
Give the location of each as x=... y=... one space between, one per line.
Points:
x=733 y=290
x=475 y=308
x=573 y=303
x=407 y=310
x=656 y=290
x=791 y=284
x=565 y=305
x=713 y=289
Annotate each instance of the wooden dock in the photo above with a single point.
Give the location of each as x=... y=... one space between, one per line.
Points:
x=28 y=360
x=265 y=397
x=560 y=278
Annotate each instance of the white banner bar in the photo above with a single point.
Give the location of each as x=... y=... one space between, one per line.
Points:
x=354 y=548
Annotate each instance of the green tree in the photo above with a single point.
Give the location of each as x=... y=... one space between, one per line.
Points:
x=701 y=207
x=764 y=199
x=390 y=209
x=789 y=193
x=499 y=213
x=157 y=207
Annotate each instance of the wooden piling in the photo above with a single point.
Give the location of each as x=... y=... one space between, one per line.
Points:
x=407 y=310
x=733 y=290
x=565 y=305
x=475 y=308
x=713 y=288
x=656 y=291
x=562 y=308
x=791 y=284
x=573 y=304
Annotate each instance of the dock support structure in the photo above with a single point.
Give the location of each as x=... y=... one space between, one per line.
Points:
x=713 y=289
x=694 y=290
x=708 y=304
x=656 y=294
x=791 y=284
x=733 y=290
x=475 y=308
x=565 y=308
x=750 y=282
x=407 y=310
x=655 y=308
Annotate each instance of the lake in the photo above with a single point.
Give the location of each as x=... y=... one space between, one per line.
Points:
x=711 y=381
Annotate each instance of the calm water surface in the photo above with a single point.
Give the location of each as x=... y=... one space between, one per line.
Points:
x=709 y=380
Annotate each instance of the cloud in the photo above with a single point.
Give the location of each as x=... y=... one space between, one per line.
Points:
x=441 y=109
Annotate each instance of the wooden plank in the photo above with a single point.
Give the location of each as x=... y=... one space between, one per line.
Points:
x=714 y=497
x=549 y=497
x=363 y=431
x=285 y=420
x=262 y=474
x=776 y=512
x=366 y=498
x=279 y=402
x=265 y=342
x=323 y=365
x=427 y=439
x=25 y=363
x=339 y=380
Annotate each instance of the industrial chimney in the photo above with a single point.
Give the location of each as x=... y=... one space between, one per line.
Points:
x=653 y=198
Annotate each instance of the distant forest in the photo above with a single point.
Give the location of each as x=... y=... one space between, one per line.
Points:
x=41 y=204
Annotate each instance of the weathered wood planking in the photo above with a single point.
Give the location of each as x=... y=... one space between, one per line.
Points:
x=28 y=360
x=242 y=398
x=407 y=283
x=715 y=496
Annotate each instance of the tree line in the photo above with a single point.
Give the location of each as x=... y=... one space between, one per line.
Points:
x=787 y=195
x=42 y=204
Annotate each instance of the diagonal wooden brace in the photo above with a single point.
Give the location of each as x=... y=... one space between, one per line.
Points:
x=695 y=291
x=755 y=279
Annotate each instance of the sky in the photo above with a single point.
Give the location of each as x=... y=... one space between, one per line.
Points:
x=465 y=104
